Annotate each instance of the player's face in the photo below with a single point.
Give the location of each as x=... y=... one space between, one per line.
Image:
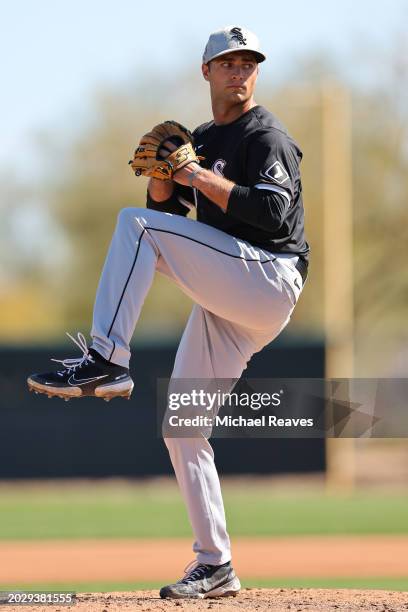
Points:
x=232 y=77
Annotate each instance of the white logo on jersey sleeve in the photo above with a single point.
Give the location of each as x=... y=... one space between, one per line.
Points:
x=276 y=172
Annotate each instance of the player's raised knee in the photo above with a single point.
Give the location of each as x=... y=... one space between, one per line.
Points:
x=128 y=213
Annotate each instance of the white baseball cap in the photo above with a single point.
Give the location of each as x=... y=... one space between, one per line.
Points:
x=232 y=38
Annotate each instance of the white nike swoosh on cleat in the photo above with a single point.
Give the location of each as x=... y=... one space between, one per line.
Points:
x=83 y=381
x=121 y=376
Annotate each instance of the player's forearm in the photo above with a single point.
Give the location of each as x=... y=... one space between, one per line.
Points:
x=215 y=188
x=160 y=190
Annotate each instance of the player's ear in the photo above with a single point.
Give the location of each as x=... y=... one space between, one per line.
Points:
x=205 y=69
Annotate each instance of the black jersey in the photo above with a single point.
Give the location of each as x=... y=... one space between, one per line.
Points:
x=254 y=151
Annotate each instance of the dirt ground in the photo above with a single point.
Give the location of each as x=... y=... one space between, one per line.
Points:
x=144 y=560
x=51 y=561
x=254 y=600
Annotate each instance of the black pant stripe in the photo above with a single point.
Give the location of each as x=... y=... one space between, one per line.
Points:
x=113 y=350
x=208 y=245
x=126 y=284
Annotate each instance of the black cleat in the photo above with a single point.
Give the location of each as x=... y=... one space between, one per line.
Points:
x=202 y=581
x=88 y=375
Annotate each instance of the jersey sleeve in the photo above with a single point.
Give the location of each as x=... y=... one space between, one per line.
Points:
x=179 y=203
x=272 y=164
x=271 y=174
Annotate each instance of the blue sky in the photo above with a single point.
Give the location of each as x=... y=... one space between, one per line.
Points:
x=54 y=53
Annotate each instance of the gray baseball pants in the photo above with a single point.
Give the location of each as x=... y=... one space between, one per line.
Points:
x=244 y=297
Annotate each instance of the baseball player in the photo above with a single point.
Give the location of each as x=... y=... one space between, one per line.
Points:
x=243 y=262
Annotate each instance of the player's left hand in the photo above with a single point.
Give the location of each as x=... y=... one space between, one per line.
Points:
x=155 y=158
x=183 y=176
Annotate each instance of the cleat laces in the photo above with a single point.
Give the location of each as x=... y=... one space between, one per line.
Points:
x=70 y=365
x=194 y=571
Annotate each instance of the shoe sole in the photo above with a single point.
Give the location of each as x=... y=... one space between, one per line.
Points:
x=106 y=392
x=229 y=589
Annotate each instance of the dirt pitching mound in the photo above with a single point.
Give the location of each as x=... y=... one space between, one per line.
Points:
x=254 y=600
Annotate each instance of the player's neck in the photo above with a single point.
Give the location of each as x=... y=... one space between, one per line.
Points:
x=224 y=114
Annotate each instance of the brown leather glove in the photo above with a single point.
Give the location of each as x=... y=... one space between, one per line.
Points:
x=163 y=151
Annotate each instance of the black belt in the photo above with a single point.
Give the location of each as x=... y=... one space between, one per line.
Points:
x=302 y=266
